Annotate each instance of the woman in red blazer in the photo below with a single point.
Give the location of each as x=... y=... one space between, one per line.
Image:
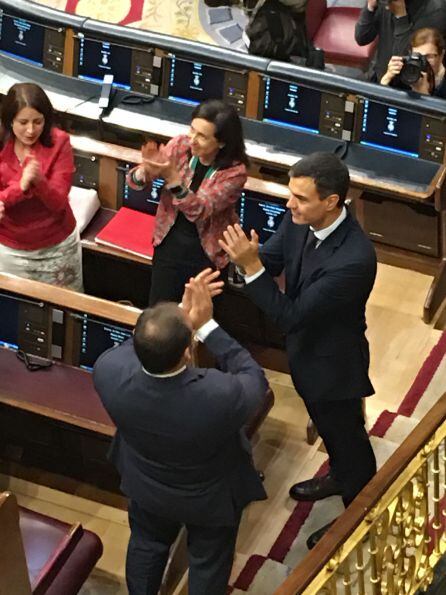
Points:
x=204 y=174
x=38 y=235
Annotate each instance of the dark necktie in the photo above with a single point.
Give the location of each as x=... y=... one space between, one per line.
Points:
x=309 y=253
x=310 y=243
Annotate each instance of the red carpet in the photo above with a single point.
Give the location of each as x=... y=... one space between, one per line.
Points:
x=134 y=13
x=302 y=510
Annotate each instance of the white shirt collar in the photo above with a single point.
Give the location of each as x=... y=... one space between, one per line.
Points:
x=322 y=234
x=169 y=375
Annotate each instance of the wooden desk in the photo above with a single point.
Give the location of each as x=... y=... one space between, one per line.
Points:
x=53 y=419
x=54 y=416
x=62 y=393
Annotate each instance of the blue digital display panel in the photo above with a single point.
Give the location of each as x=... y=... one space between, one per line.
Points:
x=21 y=38
x=98 y=58
x=193 y=82
x=96 y=337
x=145 y=200
x=9 y=312
x=260 y=212
x=292 y=105
x=389 y=128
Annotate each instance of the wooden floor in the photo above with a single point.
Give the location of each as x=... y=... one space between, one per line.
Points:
x=399 y=341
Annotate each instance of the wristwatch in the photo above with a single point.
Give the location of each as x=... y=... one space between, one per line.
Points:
x=179 y=191
x=135 y=179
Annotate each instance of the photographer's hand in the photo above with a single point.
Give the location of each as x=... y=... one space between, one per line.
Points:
x=393 y=69
x=398 y=8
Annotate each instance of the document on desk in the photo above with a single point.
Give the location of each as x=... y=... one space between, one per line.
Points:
x=130 y=231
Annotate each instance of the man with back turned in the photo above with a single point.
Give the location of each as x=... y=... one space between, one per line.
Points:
x=178 y=447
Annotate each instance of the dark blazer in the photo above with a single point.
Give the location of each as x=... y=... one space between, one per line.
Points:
x=323 y=311
x=178 y=445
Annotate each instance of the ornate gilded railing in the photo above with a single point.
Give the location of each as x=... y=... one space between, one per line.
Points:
x=390 y=538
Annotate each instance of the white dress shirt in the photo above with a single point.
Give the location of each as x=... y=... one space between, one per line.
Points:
x=319 y=234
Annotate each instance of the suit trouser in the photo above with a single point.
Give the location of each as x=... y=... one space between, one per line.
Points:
x=210 y=551
x=341 y=426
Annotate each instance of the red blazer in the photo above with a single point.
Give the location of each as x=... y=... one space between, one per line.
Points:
x=42 y=216
x=211 y=208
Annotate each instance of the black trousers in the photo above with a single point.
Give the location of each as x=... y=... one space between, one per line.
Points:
x=169 y=278
x=341 y=426
x=210 y=550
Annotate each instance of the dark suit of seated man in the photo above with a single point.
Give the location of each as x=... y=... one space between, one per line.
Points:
x=330 y=268
x=179 y=444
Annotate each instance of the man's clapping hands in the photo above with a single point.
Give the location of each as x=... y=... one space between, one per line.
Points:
x=198 y=294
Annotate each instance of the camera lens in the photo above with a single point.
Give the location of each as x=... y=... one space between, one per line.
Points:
x=413 y=66
x=410 y=73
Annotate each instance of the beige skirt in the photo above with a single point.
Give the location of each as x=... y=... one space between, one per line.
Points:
x=57 y=265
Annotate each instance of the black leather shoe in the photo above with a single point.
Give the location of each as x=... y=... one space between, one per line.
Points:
x=317 y=535
x=314 y=489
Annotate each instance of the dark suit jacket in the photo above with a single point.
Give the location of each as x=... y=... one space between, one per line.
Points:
x=178 y=445
x=322 y=312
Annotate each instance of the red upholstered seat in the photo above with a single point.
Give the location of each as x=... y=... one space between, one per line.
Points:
x=333 y=30
x=59 y=556
x=40 y=555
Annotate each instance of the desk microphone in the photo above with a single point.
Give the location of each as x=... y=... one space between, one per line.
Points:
x=33 y=362
x=341 y=150
x=107 y=95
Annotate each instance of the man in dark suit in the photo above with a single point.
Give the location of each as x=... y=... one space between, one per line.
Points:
x=330 y=268
x=179 y=445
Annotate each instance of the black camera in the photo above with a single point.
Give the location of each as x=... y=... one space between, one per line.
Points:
x=413 y=66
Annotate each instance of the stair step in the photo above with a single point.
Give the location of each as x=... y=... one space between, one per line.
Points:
x=267 y=580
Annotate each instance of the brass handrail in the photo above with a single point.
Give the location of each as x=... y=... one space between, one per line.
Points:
x=328 y=550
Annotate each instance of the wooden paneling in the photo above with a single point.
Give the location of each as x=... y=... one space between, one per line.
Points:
x=252 y=101
x=13 y=569
x=108 y=182
x=66 y=298
x=68 y=59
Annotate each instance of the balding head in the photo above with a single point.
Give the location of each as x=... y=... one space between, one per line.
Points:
x=162 y=335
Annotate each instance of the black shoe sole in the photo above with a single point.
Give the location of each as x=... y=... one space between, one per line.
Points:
x=310 y=498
